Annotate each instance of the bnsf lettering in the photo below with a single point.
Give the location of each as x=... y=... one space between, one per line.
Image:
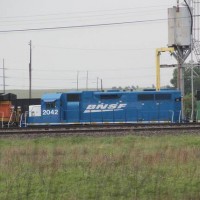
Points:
x=104 y=107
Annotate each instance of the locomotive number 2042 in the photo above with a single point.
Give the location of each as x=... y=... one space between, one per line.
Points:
x=50 y=112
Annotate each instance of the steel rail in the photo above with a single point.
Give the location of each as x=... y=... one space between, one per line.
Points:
x=100 y=125
x=102 y=130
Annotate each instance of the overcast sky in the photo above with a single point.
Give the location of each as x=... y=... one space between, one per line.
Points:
x=120 y=55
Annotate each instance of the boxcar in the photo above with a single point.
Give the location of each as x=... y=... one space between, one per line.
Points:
x=87 y=107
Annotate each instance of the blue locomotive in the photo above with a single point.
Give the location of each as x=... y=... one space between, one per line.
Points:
x=87 y=107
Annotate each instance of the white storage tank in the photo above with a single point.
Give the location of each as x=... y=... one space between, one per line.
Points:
x=179 y=26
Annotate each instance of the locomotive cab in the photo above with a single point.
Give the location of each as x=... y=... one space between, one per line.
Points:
x=48 y=112
x=56 y=109
x=51 y=108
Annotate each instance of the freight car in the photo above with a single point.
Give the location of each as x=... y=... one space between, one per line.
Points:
x=7 y=112
x=21 y=107
x=13 y=110
x=24 y=103
x=87 y=107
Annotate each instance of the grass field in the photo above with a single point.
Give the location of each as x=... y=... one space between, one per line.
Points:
x=130 y=167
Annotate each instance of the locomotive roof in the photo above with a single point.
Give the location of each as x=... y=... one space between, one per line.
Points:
x=55 y=96
x=123 y=91
x=51 y=96
x=146 y=91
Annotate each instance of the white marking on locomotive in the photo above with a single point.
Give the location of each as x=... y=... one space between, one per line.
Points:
x=50 y=112
x=104 y=107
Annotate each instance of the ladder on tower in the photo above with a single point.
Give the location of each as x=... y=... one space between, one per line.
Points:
x=196 y=46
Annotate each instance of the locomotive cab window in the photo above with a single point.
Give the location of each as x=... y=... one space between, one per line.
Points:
x=73 y=97
x=50 y=105
x=145 y=97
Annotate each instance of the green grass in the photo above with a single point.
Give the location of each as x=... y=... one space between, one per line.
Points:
x=130 y=167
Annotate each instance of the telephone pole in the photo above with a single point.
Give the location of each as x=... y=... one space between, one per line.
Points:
x=30 y=71
x=97 y=83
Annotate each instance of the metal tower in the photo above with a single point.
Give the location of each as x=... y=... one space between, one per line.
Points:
x=180 y=38
x=180 y=23
x=183 y=40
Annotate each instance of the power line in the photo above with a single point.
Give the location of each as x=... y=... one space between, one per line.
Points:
x=83 y=26
x=80 y=17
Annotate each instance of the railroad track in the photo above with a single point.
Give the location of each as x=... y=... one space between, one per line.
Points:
x=102 y=130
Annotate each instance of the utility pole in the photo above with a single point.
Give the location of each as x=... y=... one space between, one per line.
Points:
x=97 y=83
x=4 y=82
x=30 y=71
